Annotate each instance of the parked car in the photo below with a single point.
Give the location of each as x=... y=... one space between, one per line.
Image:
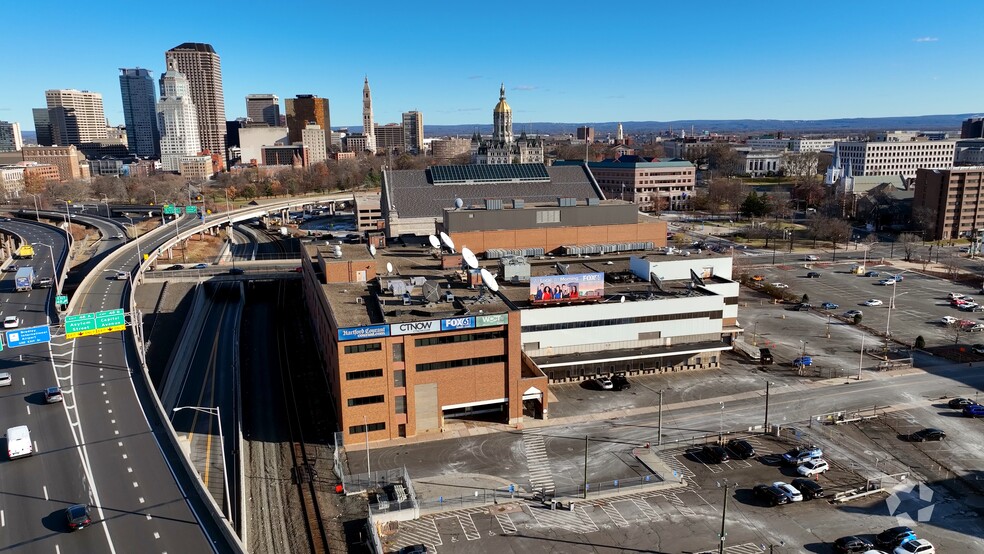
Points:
x=803 y=307
x=780 y=285
x=873 y=302
x=801 y=454
x=977 y=327
x=811 y=258
x=813 y=275
x=973 y=410
x=915 y=546
x=765 y=356
x=968 y=306
x=803 y=361
x=829 y=306
x=742 y=449
x=948 y=320
x=770 y=494
x=813 y=467
x=53 y=395
x=603 y=383
x=852 y=313
x=871 y=274
x=886 y=282
x=890 y=538
x=809 y=488
x=959 y=402
x=929 y=434
x=791 y=492
x=621 y=382
x=77 y=517
x=954 y=295
x=714 y=453
x=851 y=544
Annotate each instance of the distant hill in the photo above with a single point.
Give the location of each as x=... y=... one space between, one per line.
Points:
x=725 y=126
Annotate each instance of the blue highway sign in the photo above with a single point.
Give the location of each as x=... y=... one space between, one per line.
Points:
x=28 y=336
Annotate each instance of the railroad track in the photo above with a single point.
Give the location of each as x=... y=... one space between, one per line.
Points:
x=303 y=462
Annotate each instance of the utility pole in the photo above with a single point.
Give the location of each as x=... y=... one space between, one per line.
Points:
x=724 y=515
x=659 y=420
x=766 y=425
x=585 y=466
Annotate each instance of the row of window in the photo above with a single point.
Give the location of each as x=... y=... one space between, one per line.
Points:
x=451 y=339
x=365 y=400
x=363 y=374
x=368 y=347
x=451 y=364
x=620 y=321
x=356 y=429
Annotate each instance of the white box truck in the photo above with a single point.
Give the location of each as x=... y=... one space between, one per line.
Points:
x=24 y=279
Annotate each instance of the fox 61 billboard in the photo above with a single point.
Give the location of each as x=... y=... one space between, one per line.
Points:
x=567 y=288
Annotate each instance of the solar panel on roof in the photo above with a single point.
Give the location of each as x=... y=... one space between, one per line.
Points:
x=445 y=174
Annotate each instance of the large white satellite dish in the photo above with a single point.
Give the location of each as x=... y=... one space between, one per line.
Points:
x=372 y=250
x=458 y=203
x=489 y=280
x=447 y=241
x=469 y=258
x=434 y=242
x=389 y=267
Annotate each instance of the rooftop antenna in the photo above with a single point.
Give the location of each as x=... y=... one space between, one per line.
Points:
x=469 y=258
x=447 y=241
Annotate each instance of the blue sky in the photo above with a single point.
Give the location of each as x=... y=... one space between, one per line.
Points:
x=560 y=61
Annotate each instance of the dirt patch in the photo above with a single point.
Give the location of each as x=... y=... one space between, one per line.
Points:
x=201 y=248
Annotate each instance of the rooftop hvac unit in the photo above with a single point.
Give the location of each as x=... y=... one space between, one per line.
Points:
x=519 y=203
x=493 y=204
x=593 y=201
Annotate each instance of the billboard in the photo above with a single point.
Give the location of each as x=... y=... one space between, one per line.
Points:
x=567 y=288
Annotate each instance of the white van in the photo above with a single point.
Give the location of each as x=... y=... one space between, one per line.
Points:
x=19 y=442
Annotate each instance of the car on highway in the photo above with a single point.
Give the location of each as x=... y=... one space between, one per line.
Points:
x=872 y=302
x=803 y=361
x=175 y=267
x=892 y=537
x=915 y=546
x=791 y=492
x=948 y=320
x=959 y=402
x=811 y=258
x=11 y=268
x=813 y=467
x=779 y=285
x=813 y=275
x=200 y=266
x=741 y=449
x=973 y=410
x=77 y=516
x=5 y=379
x=237 y=271
x=851 y=545
x=714 y=453
x=620 y=382
x=53 y=395
x=11 y=322
x=801 y=454
x=770 y=494
x=121 y=276
x=119 y=236
x=829 y=306
x=928 y=434
x=43 y=283
x=809 y=488
x=852 y=313
x=603 y=383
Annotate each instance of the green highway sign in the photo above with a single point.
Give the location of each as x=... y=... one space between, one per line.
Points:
x=168 y=209
x=191 y=209
x=61 y=300
x=83 y=325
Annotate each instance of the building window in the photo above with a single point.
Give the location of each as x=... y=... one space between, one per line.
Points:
x=356 y=348
x=401 y=404
x=400 y=378
x=449 y=339
x=363 y=374
x=364 y=400
x=398 y=352
x=461 y=363
x=356 y=429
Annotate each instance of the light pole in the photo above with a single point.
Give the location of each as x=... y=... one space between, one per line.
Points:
x=225 y=470
x=37 y=215
x=721 y=430
x=155 y=196
x=106 y=202
x=891 y=304
x=68 y=228
x=659 y=420
x=136 y=236
x=768 y=384
x=724 y=516
x=861 y=361
x=54 y=269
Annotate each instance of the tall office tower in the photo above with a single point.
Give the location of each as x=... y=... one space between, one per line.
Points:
x=972 y=128
x=263 y=108
x=367 y=127
x=177 y=118
x=200 y=65
x=76 y=116
x=304 y=109
x=413 y=132
x=314 y=139
x=42 y=126
x=10 y=137
x=140 y=112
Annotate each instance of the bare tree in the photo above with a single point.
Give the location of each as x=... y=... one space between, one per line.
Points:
x=838 y=231
x=800 y=166
x=908 y=241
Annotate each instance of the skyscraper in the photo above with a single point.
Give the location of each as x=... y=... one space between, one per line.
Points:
x=140 y=112
x=304 y=109
x=367 y=127
x=201 y=67
x=42 y=126
x=177 y=118
x=10 y=137
x=263 y=108
x=76 y=116
x=413 y=132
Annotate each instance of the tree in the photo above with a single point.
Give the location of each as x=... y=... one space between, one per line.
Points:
x=754 y=205
x=659 y=204
x=857 y=319
x=838 y=231
x=920 y=342
x=722 y=158
x=800 y=166
x=817 y=226
x=730 y=192
x=909 y=242
x=924 y=220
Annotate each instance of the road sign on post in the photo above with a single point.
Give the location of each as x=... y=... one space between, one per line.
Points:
x=168 y=209
x=61 y=300
x=84 y=325
x=28 y=336
x=191 y=209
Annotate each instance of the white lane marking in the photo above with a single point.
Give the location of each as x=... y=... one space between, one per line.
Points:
x=23 y=381
x=129 y=470
x=35 y=447
x=157 y=535
x=3 y=519
x=45 y=487
x=135 y=484
x=28 y=410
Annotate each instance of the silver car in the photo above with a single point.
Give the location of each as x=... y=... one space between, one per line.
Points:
x=5 y=379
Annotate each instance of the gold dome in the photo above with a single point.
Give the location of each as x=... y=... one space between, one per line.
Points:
x=502 y=107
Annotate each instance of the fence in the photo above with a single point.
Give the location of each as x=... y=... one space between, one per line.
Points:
x=339 y=466
x=373 y=542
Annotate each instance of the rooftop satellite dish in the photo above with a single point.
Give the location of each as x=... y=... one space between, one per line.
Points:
x=489 y=280
x=434 y=241
x=469 y=258
x=458 y=203
x=621 y=300
x=389 y=267
x=372 y=250
x=447 y=241
x=432 y=291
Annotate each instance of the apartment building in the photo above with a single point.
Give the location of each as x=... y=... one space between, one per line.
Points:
x=653 y=184
x=955 y=196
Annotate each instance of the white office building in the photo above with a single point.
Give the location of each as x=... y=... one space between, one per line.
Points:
x=253 y=139
x=896 y=158
x=313 y=136
x=792 y=145
x=177 y=119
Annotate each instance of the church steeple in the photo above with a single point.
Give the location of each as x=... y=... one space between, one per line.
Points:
x=368 y=129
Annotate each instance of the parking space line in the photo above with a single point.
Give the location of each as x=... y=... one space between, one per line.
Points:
x=615 y=515
x=507 y=525
x=577 y=521
x=421 y=531
x=747 y=548
x=680 y=505
x=536 y=460
x=468 y=526
x=647 y=509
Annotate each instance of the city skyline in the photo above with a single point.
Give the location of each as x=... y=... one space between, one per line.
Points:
x=730 y=63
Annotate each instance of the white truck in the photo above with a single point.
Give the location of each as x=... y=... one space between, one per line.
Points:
x=24 y=279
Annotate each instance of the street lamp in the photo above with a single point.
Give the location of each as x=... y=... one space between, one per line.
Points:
x=37 y=215
x=68 y=219
x=891 y=304
x=225 y=470
x=54 y=269
x=136 y=236
x=106 y=202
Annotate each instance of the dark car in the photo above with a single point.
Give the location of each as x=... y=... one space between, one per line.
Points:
x=621 y=382
x=715 y=453
x=43 y=283
x=813 y=275
x=930 y=434
x=11 y=268
x=741 y=449
x=77 y=517
x=236 y=271
x=973 y=410
x=770 y=494
x=851 y=544
x=871 y=274
x=415 y=549
x=959 y=402
x=801 y=455
x=809 y=488
x=174 y=267
x=890 y=538
x=802 y=307
x=765 y=356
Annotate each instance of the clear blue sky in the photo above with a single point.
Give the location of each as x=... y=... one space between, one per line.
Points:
x=560 y=61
